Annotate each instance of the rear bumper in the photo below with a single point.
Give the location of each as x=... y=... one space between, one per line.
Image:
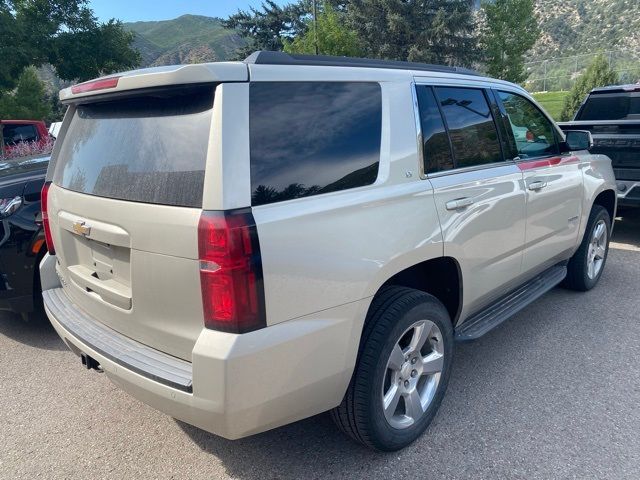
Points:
x=240 y=384
x=628 y=193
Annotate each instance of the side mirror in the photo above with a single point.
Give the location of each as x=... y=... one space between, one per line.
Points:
x=578 y=140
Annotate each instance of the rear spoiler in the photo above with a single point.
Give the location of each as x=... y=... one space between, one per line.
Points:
x=158 y=77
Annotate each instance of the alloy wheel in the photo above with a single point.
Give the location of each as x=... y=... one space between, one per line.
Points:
x=597 y=249
x=412 y=374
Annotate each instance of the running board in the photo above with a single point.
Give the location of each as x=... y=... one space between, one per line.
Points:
x=496 y=313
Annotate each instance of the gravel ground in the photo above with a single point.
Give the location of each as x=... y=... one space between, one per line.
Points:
x=553 y=393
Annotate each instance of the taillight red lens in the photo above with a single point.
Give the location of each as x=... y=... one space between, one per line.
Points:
x=101 y=84
x=44 y=205
x=231 y=271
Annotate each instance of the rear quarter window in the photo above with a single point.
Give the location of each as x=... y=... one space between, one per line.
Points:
x=148 y=148
x=309 y=138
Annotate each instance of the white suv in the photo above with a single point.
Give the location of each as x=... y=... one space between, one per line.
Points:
x=242 y=245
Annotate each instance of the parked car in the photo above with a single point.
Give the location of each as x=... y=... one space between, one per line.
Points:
x=22 y=243
x=612 y=115
x=54 y=129
x=15 y=132
x=246 y=244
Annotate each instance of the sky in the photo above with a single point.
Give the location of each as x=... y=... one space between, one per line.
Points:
x=135 y=10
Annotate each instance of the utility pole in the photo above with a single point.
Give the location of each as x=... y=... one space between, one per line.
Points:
x=315 y=25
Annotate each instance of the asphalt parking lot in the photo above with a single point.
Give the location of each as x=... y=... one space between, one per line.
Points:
x=553 y=393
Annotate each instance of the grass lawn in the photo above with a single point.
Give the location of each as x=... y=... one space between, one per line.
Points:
x=552 y=102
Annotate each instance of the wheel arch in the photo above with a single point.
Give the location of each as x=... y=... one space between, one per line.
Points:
x=607 y=200
x=440 y=277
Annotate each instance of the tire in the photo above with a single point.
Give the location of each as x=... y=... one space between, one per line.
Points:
x=579 y=276
x=397 y=317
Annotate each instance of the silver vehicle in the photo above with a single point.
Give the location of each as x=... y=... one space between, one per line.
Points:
x=245 y=244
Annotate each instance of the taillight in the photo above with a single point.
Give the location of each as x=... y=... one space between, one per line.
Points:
x=231 y=271
x=44 y=205
x=93 y=85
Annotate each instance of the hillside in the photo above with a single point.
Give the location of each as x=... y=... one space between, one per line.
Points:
x=573 y=31
x=573 y=27
x=569 y=27
x=186 y=39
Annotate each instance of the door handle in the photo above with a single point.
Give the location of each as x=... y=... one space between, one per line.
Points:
x=537 y=185
x=459 y=203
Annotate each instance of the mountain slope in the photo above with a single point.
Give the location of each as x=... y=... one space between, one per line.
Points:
x=186 y=39
x=571 y=27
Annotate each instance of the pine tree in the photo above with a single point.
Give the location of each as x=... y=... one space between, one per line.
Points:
x=28 y=101
x=268 y=27
x=434 y=31
x=599 y=74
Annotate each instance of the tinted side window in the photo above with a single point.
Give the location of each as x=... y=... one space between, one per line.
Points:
x=533 y=132
x=308 y=138
x=13 y=134
x=436 y=150
x=473 y=133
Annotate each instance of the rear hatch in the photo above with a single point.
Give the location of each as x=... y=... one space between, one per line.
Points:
x=124 y=206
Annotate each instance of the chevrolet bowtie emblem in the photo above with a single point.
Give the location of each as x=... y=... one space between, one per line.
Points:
x=80 y=228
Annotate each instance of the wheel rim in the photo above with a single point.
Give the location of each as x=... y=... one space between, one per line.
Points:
x=597 y=249
x=412 y=374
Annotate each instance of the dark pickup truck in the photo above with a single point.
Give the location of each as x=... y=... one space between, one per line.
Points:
x=612 y=115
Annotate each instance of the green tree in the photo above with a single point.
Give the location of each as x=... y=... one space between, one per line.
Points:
x=599 y=74
x=29 y=99
x=334 y=37
x=511 y=29
x=435 y=31
x=269 y=27
x=64 y=33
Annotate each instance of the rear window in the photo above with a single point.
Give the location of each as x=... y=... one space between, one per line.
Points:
x=309 y=138
x=613 y=106
x=13 y=134
x=149 y=148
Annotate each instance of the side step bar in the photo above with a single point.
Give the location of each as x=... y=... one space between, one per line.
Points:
x=496 y=313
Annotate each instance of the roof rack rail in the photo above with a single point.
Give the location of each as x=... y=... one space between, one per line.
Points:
x=282 y=58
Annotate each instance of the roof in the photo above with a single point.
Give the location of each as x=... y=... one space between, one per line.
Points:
x=22 y=122
x=282 y=58
x=261 y=65
x=633 y=87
